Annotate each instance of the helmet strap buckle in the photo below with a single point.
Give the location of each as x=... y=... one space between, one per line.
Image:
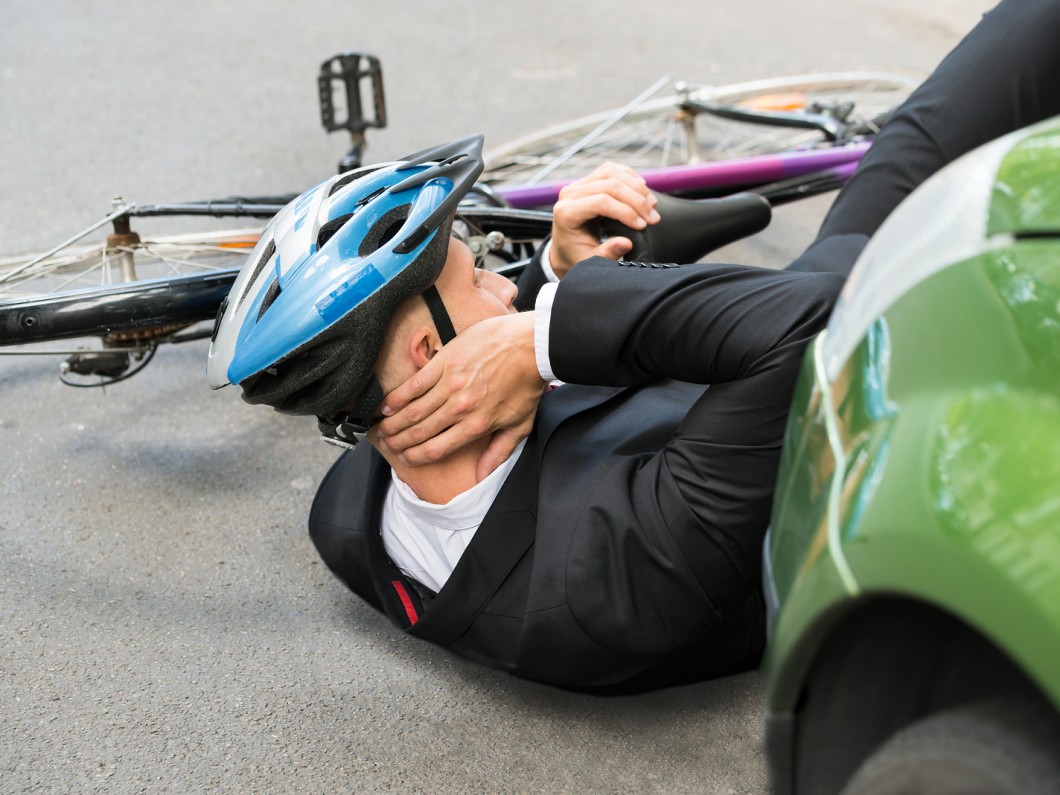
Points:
x=347 y=427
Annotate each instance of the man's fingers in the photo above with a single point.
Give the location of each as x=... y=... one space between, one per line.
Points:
x=611 y=198
x=634 y=190
x=424 y=379
x=501 y=447
x=418 y=416
x=615 y=247
x=573 y=213
x=444 y=444
x=618 y=172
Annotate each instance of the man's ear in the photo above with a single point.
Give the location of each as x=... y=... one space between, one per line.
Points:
x=423 y=345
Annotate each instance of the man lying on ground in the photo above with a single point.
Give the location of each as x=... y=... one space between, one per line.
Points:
x=616 y=549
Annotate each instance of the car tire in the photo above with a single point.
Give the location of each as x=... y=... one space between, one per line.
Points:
x=988 y=748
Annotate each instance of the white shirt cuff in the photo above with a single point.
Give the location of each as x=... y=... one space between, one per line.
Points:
x=546 y=263
x=542 y=322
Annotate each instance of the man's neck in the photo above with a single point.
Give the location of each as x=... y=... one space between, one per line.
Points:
x=438 y=483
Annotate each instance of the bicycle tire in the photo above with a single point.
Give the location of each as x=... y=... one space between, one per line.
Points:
x=112 y=269
x=130 y=312
x=652 y=135
x=151 y=310
x=127 y=288
x=99 y=265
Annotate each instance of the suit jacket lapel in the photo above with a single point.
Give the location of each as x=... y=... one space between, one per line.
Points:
x=508 y=530
x=505 y=535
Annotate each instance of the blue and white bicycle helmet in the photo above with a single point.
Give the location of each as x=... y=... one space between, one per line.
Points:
x=306 y=318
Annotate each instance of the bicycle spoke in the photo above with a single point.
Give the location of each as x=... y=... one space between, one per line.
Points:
x=86 y=266
x=657 y=133
x=179 y=265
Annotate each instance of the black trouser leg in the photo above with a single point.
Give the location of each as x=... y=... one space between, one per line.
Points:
x=1004 y=75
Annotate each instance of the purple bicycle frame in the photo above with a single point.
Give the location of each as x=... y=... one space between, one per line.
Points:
x=757 y=170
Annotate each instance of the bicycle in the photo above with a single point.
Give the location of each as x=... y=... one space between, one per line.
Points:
x=785 y=139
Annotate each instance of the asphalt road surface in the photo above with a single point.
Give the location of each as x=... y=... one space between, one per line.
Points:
x=166 y=625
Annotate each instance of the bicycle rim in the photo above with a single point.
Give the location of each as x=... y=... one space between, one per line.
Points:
x=657 y=133
x=82 y=290
x=106 y=264
x=125 y=289
x=125 y=314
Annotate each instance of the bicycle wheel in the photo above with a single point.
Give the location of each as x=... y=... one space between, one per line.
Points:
x=137 y=290
x=126 y=287
x=141 y=289
x=658 y=132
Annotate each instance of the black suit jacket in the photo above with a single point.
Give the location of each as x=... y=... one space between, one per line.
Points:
x=622 y=551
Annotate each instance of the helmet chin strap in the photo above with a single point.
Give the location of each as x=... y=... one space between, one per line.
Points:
x=441 y=318
x=345 y=429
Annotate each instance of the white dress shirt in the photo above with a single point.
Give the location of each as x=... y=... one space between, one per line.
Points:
x=424 y=540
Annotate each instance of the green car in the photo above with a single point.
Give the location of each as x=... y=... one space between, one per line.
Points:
x=912 y=568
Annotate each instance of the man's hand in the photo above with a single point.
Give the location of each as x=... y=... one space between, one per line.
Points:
x=611 y=191
x=483 y=381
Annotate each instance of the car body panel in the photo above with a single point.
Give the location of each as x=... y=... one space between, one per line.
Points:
x=1025 y=198
x=945 y=428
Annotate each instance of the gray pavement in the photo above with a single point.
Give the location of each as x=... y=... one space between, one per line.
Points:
x=166 y=625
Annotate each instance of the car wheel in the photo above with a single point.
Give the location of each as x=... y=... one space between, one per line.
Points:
x=988 y=748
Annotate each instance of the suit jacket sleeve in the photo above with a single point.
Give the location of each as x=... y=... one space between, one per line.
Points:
x=670 y=543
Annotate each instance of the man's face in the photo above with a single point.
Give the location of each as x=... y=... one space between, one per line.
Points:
x=472 y=294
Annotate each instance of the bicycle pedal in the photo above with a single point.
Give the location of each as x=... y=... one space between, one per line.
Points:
x=349 y=84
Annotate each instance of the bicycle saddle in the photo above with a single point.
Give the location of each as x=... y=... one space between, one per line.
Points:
x=691 y=229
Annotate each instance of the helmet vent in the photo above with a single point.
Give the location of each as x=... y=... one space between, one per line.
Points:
x=384 y=230
x=270 y=296
x=351 y=177
x=308 y=352
x=266 y=255
x=370 y=197
x=330 y=228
